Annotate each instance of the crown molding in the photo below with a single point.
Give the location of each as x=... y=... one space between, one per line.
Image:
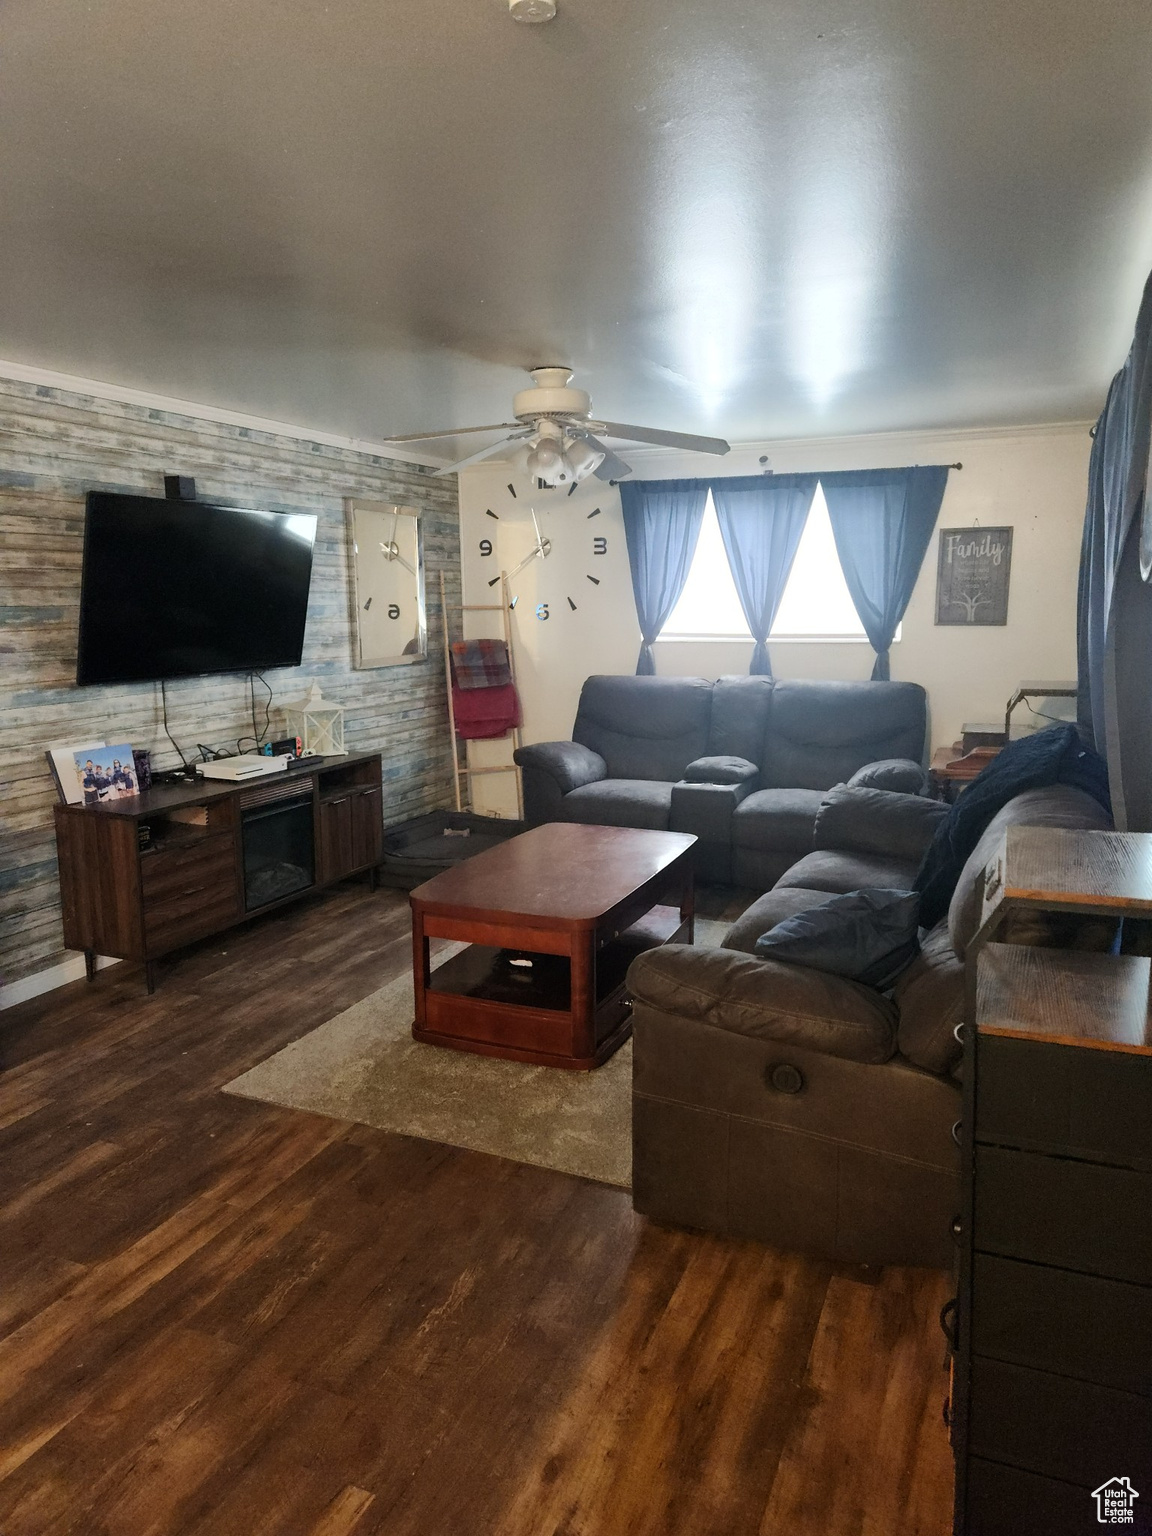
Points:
x=904 y=435
x=24 y=373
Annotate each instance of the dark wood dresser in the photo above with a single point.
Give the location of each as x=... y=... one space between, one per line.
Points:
x=143 y=876
x=1052 y=1392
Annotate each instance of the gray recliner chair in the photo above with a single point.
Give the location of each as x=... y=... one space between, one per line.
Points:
x=777 y=1102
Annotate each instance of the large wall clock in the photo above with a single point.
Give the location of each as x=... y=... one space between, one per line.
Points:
x=561 y=541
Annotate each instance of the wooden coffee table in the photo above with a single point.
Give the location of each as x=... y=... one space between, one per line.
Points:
x=553 y=919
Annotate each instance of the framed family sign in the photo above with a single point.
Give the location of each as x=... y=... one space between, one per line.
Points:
x=972 y=576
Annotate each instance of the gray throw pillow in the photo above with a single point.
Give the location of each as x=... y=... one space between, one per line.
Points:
x=868 y=936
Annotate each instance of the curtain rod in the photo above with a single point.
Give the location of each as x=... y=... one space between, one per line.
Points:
x=790 y=472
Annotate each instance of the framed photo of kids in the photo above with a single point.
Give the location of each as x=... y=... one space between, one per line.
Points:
x=92 y=772
x=105 y=773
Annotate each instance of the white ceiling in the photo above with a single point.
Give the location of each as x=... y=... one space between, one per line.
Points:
x=796 y=218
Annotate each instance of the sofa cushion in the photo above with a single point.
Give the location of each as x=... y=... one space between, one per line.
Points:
x=621 y=803
x=867 y=935
x=899 y=774
x=645 y=727
x=766 y=1000
x=720 y=770
x=930 y=997
x=768 y=910
x=777 y=820
x=819 y=734
x=859 y=820
x=840 y=872
x=1058 y=805
x=741 y=710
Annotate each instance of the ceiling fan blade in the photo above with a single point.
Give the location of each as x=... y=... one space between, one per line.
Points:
x=482 y=453
x=611 y=468
x=427 y=437
x=666 y=439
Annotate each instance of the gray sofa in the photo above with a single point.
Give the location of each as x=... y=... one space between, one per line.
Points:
x=743 y=763
x=776 y=1102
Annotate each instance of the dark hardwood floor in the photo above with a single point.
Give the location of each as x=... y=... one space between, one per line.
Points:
x=223 y=1318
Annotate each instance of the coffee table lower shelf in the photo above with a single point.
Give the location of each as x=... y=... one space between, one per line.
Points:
x=478 y=1001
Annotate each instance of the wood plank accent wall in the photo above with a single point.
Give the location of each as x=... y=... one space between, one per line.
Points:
x=55 y=446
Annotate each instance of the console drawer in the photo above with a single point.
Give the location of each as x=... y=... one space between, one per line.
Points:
x=166 y=872
x=188 y=892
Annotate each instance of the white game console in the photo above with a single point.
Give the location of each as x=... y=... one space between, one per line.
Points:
x=249 y=765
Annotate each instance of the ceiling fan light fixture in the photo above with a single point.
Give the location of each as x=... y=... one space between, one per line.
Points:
x=532 y=10
x=550 y=466
x=547 y=461
x=563 y=440
x=583 y=458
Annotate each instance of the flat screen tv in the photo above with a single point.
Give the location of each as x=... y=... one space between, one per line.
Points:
x=183 y=588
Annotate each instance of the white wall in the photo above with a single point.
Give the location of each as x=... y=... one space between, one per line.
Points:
x=1031 y=479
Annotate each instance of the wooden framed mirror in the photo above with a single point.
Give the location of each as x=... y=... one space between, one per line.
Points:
x=386 y=552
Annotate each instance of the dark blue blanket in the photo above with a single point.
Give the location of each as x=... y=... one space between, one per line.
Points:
x=1052 y=756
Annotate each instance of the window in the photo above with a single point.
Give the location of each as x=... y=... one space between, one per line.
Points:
x=816 y=604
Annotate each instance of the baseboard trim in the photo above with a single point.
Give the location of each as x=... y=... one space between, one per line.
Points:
x=59 y=975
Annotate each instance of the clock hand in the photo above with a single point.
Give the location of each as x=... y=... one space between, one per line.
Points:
x=533 y=554
x=543 y=545
x=391 y=551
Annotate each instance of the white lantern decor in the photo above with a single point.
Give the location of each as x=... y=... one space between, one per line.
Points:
x=319 y=725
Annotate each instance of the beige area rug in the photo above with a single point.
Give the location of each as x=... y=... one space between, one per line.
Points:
x=364 y=1065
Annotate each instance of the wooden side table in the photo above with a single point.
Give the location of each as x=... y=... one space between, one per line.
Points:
x=952 y=769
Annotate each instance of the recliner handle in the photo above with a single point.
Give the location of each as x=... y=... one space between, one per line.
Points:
x=786 y=1078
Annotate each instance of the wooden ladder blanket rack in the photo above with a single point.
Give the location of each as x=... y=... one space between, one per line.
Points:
x=468 y=773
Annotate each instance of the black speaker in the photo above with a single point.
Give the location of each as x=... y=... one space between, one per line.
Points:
x=179 y=488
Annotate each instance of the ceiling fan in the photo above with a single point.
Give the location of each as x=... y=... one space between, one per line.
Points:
x=558 y=435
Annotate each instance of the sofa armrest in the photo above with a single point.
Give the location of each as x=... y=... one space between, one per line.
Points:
x=722 y=770
x=900 y=775
x=765 y=999
x=551 y=770
x=857 y=820
x=707 y=809
x=567 y=762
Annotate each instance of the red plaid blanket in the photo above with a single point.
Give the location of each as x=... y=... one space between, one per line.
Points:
x=483 y=713
x=480 y=664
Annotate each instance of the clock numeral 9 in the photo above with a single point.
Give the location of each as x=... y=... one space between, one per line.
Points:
x=599 y=545
x=541 y=610
x=485 y=546
x=393 y=610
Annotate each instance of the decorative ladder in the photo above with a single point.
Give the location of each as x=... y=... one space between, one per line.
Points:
x=468 y=773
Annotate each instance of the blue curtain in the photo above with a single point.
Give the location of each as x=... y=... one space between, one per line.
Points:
x=761 y=519
x=661 y=525
x=1116 y=473
x=882 y=520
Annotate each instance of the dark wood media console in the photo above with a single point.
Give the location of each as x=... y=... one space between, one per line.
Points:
x=147 y=875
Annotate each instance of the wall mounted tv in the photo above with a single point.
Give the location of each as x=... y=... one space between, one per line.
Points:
x=184 y=588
